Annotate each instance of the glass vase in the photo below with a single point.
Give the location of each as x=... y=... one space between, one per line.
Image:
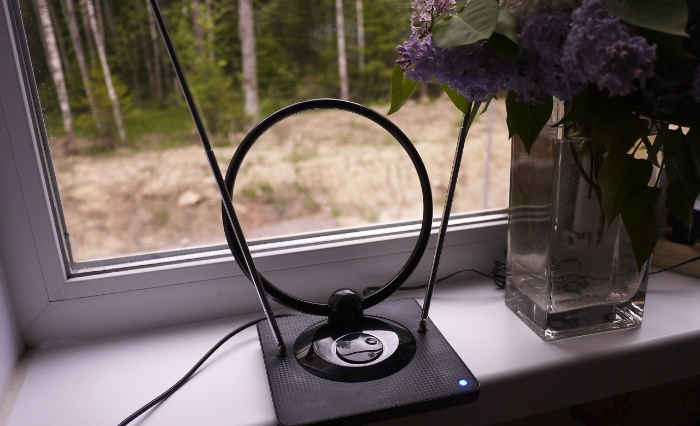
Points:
x=568 y=274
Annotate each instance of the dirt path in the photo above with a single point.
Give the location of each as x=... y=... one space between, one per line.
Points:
x=312 y=172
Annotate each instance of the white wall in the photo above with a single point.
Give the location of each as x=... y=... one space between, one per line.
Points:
x=10 y=341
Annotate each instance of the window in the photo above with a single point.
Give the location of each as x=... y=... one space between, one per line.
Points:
x=57 y=298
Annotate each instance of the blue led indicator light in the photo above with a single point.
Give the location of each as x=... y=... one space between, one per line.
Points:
x=462 y=382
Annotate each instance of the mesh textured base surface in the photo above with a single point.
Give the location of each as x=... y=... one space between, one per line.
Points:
x=430 y=381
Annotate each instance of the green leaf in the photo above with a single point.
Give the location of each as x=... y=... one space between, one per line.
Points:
x=666 y=16
x=613 y=125
x=669 y=48
x=620 y=175
x=401 y=89
x=576 y=109
x=639 y=217
x=473 y=22
x=458 y=100
x=527 y=120
x=504 y=40
x=683 y=174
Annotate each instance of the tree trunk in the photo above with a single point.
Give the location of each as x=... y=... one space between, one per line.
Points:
x=88 y=35
x=105 y=10
x=89 y=8
x=147 y=54
x=74 y=31
x=359 y=7
x=342 y=58
x=246 y=32
x=197 y=27
x=54 y=62
x=210 y=29
x=60 y=42
x=157 y=61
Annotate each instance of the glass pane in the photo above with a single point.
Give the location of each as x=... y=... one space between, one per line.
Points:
x=131 y=174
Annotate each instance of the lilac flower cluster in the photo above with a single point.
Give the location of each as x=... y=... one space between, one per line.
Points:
x=525 y=8
x=674 y=88
x=474 y=70
x=425 y=12
x=563 y=49
x=600 y=46
x=541 y=70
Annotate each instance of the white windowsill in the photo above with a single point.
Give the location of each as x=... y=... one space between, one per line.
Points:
x=99 y=382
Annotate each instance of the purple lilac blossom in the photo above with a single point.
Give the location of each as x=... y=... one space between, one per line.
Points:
x=561 y=52
x=417 y=58
x=671 y=86
x=426 y=11
x=600 y=46
x=474 y=70
x=524 y=8
x=675 y=86
x=541 y=72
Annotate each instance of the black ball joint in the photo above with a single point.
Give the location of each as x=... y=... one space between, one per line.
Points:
x=346 y=310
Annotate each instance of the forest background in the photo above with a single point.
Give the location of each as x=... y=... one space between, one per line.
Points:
x=129 y=173
x=294 y=55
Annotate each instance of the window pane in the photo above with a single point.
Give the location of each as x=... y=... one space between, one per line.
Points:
x=131 y=174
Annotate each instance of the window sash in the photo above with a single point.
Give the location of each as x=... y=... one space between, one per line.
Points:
x=53 y=302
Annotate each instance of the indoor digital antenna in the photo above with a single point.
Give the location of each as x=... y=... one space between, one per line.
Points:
x=355 y=359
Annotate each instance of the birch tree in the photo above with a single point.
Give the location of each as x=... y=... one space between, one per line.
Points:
x=155 y=43
x=246 y=33
x=74 y=31
x=359 y=9
x=54 y=62
x=60 y=42
x=90 y=42
x=98 y=37
x=342 y=57
x=197 y=27
x=210 y=28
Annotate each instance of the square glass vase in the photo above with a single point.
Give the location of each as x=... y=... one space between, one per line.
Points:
x=568 y=274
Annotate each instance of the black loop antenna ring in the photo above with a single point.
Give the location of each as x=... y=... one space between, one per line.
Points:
x=287 y=299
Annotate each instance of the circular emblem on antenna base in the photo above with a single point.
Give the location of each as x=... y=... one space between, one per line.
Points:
x=358 y=348
x=376 y=349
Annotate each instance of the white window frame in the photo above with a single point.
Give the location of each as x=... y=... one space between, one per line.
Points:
x=53 y=305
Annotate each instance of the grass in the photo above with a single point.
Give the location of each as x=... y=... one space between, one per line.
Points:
x=150 y=128
x=142 y=122
x=160 y=216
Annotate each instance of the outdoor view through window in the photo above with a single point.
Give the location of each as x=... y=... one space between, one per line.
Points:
x=131 y=175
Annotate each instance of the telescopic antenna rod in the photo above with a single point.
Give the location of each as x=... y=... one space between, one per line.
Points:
x=466 y=124
x=225 y=196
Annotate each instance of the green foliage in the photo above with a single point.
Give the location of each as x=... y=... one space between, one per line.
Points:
x=527 y=120
x=620 y=176
x=639 y=217
x=682 y=160
x=160 y=216
x=504 y=40
x=401 y=89
x=215 y=97
x=458 y=100
x=665 y=16
x=474 y=21
x=296 y=60
x=614 y=124
x=616 y=129
x=105 y=126
x=382 y=36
